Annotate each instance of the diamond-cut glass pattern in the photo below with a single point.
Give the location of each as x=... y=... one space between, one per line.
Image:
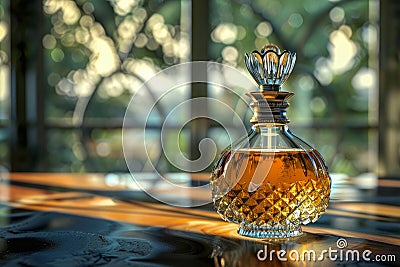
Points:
x=281 y=203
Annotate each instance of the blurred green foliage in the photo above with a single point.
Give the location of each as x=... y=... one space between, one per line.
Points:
x=96 y=53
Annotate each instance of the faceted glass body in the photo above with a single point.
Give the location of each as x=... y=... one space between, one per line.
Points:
x=270 y=182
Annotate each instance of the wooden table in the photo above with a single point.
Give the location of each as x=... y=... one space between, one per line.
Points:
x=50 y=219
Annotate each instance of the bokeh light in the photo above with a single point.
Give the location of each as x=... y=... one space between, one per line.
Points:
x=100 y=52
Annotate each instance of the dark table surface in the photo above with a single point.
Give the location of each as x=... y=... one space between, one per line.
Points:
x=49 y=219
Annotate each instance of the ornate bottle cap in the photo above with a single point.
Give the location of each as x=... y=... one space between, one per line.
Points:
x=270 y=68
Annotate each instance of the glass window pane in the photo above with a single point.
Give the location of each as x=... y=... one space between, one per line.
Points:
x=335 y=77
x=4 y=81
x=97 y=54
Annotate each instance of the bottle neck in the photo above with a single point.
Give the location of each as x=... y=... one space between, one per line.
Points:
x=274 y=114
x=269 y=107
x=270 y=135
x=275 y=127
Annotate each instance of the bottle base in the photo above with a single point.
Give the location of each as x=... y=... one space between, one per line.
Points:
x=276 y=231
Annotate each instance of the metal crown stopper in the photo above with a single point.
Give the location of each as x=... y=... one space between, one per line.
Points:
x=270 y=68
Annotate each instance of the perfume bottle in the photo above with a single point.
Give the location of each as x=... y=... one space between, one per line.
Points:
x=270 y=181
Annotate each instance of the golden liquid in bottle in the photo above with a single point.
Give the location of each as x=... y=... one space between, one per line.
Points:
x=270 y=189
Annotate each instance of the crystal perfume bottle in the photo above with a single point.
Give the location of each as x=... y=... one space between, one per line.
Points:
x=270 y=181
